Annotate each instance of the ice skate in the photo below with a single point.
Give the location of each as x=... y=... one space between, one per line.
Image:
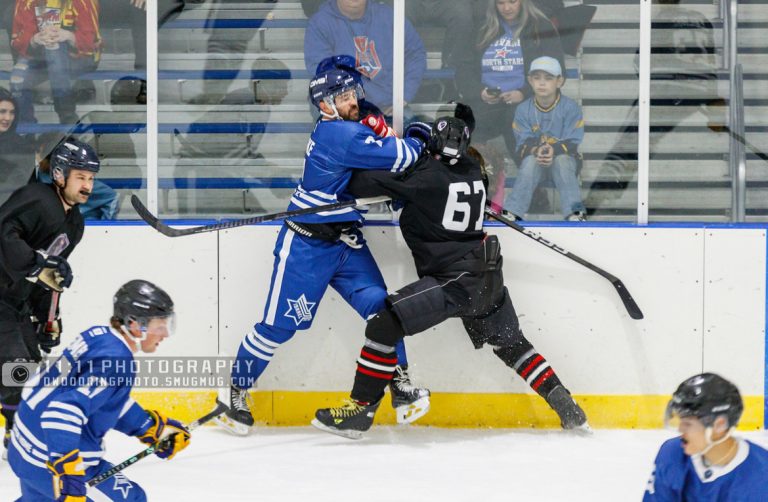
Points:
x=572 y=417
x=237 y=419
x=410 y=402
x=349 y=420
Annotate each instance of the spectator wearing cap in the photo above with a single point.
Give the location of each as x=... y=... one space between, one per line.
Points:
x=549 y=128
x=513 y=33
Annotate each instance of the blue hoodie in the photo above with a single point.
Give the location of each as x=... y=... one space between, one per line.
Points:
x=369 y=38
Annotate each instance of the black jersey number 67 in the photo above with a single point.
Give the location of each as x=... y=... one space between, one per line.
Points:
x=464 y=206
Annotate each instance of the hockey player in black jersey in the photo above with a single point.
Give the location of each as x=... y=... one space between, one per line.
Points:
x=459 y=268
x=40 y=225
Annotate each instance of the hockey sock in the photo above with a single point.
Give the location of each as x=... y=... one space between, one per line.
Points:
x=402 y=357
x=255 y=353
x=375 y=368
x=532 y=367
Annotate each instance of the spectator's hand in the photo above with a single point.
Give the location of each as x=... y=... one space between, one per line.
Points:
x=62 y=36
x=512 y=97
x=139 y=4
x=545 y=154
x=45 y=38
x=490 y=98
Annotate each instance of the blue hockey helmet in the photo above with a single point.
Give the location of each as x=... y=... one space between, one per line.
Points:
x=73 y=154
x=331 y=83
x=340 y=62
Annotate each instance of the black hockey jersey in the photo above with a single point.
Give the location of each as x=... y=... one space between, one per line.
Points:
x=30 y=220
x=442 y=218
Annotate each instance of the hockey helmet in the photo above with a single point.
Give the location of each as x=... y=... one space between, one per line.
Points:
x=340 y=62
x=331 y=83
x=140 y=301
x=706 y=397
x=449 y=138
x=73 y=154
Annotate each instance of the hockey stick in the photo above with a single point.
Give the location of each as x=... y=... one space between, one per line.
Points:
x=218 y=410
x=164 y=229
x=629 y=303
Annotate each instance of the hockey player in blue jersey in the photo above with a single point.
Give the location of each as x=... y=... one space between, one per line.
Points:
x=67 y=408
x=327 y=248
x=706 y=463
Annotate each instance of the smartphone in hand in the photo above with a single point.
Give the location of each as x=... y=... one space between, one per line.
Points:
x=493 y=91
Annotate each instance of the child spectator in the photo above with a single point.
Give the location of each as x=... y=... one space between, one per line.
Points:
x=549 y=128
x=514 y=33
x=55 y=40
x=365 y=28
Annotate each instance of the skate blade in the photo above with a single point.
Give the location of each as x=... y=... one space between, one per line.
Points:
x=581 y=430
x=349 y=434
x=409 y=413
x=231 y=426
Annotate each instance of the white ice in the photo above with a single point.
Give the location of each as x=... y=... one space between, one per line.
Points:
x=395 y=463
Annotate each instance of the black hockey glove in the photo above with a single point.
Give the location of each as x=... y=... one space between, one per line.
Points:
x=418 y=130
x=48 y=334
x=51 y=272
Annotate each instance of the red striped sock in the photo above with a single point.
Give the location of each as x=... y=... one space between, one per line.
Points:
x=537 y=372
x=375 y=368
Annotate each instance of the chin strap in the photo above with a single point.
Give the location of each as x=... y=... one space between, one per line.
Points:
x=711 y=444
x=335 y=115
x=138 y=340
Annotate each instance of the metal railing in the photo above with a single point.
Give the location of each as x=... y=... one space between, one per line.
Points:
x=729 y=10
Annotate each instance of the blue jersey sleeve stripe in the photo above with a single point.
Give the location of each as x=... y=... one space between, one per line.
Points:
x=25 y=432
x=26 y=456
x=23 y=444
x=310 y=200
x=399 y=159
x=72 y=409
x=127 y=406
x=257 y=353
x=269 y=351
x=63 y=416
x=263 y=340
x=62 y=427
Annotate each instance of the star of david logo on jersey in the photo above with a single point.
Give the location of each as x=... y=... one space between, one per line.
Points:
x=299 y=310
x=367 y=60
x=122 y=484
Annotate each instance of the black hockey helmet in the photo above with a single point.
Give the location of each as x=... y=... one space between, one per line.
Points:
x=706 y=397
x=139 y=300
x=73 y=154
x=449 y=138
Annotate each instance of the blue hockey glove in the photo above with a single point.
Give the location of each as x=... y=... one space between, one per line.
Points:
x=418 y=130
x=68 y=477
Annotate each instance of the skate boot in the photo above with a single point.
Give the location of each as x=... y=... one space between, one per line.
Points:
x=237 y=419
x=349 y=421
x=410 y=402
x=572 y=417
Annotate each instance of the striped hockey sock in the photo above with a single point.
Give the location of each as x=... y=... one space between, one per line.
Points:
x=537 y=372
x=375 y=368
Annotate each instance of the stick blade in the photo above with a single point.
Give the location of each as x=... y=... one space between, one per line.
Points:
x=152 y=220
x=629 y=303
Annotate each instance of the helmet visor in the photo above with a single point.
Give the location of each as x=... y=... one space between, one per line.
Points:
x=158 y=326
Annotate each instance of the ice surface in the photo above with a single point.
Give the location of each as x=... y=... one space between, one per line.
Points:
x=395 y=463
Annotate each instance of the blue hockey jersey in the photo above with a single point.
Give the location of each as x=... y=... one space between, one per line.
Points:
x=75 y=401
x=678 y=477
x=335 y=149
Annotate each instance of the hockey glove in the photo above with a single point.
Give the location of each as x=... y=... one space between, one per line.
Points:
x=68 y=477
x=418 y=130
x=379 y=125
x=50 y=271
x=49 y=335
x=171 y=434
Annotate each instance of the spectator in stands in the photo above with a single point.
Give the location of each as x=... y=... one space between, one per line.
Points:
x=365 y=29
x=514 y=33
x=549 y=128
x=54 y=40
x=16 y=155
x=133 y=13
x=102 y=203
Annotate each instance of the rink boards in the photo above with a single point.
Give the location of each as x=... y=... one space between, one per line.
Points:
x=702 y=290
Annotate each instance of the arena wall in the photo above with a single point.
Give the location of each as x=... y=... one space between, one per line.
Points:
x=702 y=289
